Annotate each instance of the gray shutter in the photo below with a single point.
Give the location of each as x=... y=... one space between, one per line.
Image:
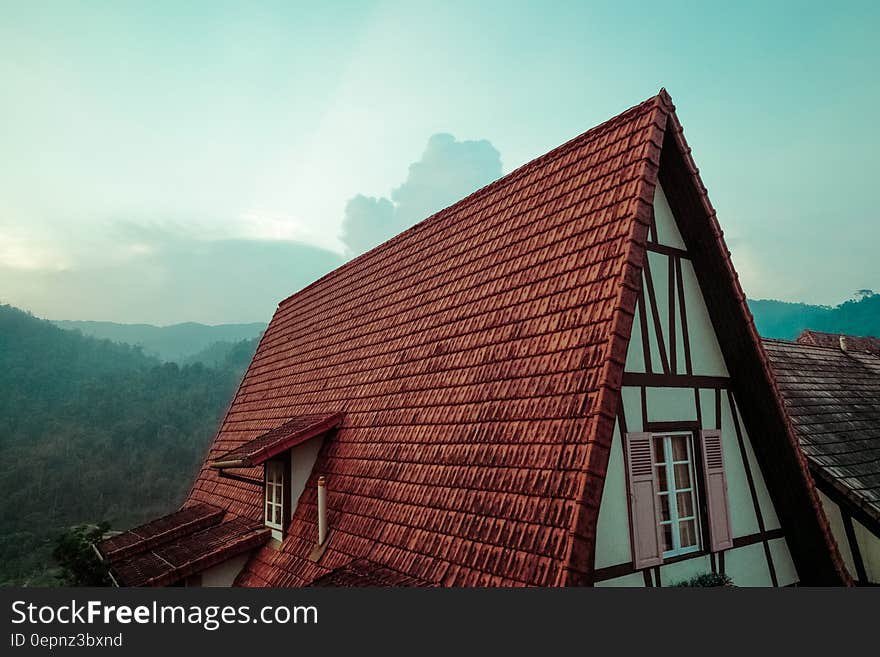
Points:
x=647 y=542
x=717 y=505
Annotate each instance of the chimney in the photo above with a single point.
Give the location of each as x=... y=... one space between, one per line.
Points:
x=322 y=510
x=843 y=343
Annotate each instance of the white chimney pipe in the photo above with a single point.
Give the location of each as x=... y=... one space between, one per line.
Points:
x=322 y=510
x=843 y=343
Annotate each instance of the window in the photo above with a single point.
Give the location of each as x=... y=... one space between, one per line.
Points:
x=275 y=497
x=676 y=488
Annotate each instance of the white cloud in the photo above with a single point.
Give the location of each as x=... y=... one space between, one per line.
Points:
x=448 y=171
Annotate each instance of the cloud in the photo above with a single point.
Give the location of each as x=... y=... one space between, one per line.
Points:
x=448 y=171
x=178 y=267
x=168 y=277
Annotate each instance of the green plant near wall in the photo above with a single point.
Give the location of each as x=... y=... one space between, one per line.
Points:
x=707 y=579
x=80 y=565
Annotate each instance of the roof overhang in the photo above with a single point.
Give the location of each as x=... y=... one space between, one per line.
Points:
x=280 y=439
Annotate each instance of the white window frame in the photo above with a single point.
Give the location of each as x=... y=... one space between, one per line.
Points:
x=273 y=497
x=672 y=494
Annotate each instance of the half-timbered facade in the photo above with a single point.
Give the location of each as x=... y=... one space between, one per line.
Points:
x=553 y=382
x=684 y=493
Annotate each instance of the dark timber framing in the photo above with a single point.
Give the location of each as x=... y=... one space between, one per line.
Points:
x=762 y=531
x=670 y=360
x=751 y=379
x=651 y=574
x=622 y=569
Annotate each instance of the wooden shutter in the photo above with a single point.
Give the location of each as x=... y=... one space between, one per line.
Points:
x=647 y=543
x=717 y=505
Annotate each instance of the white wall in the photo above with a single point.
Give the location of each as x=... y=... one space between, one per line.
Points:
x=867 y=542
x=223 y=574
x=747 y=565
x=302 y=461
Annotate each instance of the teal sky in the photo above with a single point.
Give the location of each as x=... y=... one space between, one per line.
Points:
x=170 y=161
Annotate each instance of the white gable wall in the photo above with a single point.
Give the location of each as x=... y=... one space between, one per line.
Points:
x=750 y=506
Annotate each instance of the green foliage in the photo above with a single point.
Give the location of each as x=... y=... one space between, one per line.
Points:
x=94 y=429
x=78 y=561
x=225 y=354
x=778 y=319
x=706 y=580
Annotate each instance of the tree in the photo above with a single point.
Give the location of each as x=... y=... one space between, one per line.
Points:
x=74 y=552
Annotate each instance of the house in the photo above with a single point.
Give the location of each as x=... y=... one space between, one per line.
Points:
x=831 y=387
x=553 y=382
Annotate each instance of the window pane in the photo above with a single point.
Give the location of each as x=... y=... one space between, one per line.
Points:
x=687 y=533
x=659 y=450
x=664 y=507
x=661 y=478
x=685 y=505
x=667 y=537
x=679 y=448
x=682 y=476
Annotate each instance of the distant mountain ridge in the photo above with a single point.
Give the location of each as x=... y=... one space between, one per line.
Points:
x=191 y=342
x=176 y=342
x=784 y=320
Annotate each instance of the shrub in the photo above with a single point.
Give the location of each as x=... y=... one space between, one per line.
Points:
x=707 y=579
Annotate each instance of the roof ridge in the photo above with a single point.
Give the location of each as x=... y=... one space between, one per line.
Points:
x=661 y=98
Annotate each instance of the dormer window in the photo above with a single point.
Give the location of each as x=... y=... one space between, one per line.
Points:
x=274 y=496
x=287 y=455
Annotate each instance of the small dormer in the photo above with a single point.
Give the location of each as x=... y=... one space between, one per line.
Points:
x=287 y=455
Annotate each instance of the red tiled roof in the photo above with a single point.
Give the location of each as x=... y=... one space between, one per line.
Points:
x=186 y=555
x=477 y=357
x=867 y=344
x=364 y=573
x=280 y=439
x=167 y=528
x=833 y=400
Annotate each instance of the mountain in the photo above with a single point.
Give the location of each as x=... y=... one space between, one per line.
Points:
x=780 y=319
x=95 y=430
x=177 y=342
x=236 y=354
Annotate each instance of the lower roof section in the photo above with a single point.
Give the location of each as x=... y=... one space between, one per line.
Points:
x=178 y=545
x=139 y=539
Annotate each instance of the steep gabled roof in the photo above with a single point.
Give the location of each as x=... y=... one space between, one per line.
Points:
x=477 y=358
x=833 y=399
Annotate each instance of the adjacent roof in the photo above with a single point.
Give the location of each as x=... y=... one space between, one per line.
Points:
x=867 y=344
x=291 y=433
x=162 y=530
x=365 y=573
x=477 y=358
x=833 y=399
x=180 y=544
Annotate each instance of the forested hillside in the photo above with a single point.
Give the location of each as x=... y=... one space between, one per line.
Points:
x=780 y=319
x=92 y=430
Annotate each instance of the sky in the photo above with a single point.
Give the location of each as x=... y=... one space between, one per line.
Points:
x=164 y=162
